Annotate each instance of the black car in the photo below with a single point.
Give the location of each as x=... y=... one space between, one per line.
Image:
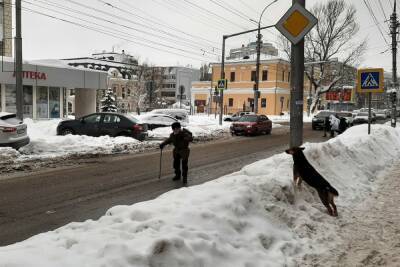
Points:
x=104 y=123
x=318 y=121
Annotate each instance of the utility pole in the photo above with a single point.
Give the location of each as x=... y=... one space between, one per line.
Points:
x=221 y=93
x=257 y=84
x=394 y=24
x=18 y=60
x=296 y=90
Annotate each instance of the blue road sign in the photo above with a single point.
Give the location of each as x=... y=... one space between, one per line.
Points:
x=370 y=80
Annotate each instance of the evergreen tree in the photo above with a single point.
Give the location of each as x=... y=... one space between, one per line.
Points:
x=108 y=103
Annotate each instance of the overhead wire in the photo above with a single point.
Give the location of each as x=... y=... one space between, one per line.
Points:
x=367 y=4
x=111 y=34
x=113 y=23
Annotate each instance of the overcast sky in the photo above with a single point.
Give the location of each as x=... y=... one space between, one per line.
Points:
x=180 y=32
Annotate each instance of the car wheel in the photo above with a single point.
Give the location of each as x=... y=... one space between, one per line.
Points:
x=268 y=131
x=67 y=131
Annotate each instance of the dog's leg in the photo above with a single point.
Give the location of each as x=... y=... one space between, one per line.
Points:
x=296 y=176
x=324 y=195
x=332 y=203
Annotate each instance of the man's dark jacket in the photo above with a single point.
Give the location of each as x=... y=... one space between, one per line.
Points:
x=181 y=142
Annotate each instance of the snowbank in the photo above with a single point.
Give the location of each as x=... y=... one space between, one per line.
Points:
x=250 y=218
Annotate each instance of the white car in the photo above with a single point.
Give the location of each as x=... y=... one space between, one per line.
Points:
x=157 y=120
x=179 y=114
x=13 y=132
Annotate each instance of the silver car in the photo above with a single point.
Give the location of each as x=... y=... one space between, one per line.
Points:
x=13 y=132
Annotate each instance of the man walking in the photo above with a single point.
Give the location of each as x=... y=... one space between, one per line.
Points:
x=180 y=138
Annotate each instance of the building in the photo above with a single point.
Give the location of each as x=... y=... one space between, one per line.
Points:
x=250 y=51
x=122 y=78
x=274 y=86
x=177 y=83
x=6 y=28
x=45 y=87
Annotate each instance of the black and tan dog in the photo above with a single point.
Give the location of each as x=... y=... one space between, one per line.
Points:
x=303 y=170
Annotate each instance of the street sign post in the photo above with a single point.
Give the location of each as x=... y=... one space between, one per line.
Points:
x=294 y=25
x=370 y=81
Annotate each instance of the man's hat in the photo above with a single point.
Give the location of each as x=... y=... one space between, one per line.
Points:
x=176 y=125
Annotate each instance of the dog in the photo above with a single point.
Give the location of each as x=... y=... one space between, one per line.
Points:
x=303 y=170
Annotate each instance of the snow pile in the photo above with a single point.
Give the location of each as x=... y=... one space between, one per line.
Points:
x=286 y=117
x=203 y=127
x=250 y=218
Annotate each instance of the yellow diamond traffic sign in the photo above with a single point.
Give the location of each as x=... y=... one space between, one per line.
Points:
x=296 y=23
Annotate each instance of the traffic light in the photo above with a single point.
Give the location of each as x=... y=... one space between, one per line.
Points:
x=393 y=96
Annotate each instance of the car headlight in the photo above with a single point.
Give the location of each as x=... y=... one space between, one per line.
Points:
x=248 y=126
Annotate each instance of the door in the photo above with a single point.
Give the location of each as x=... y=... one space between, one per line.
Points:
x=90 y=125
x=110 y=125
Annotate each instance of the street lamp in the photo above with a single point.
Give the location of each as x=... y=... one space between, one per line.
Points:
x=256 y=91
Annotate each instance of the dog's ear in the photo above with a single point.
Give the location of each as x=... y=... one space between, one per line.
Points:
x=302 y=148
x=289 y=151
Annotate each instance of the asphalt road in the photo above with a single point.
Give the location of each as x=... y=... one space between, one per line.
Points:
x=43 y=200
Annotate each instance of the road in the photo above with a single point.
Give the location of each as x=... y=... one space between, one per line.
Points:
x=43 y=200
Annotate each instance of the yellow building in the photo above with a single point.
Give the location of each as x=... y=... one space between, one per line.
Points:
x=274 y=87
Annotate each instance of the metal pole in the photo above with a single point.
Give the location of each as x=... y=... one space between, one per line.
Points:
x=369 y=112
x=309 y=93
x=256 y=88
x=18 y=60
x=296 y=92
x=221 y=100
x=393 y=30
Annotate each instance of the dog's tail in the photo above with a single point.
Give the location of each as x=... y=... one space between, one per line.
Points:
x=333 y=191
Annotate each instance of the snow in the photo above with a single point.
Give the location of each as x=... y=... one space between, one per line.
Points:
x=286 y=117
x=254 y=217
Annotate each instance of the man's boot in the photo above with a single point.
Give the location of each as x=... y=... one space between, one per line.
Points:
x=176 y=178
x=184 y=180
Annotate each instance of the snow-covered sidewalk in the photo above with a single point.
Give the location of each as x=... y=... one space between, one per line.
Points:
x=250 y=218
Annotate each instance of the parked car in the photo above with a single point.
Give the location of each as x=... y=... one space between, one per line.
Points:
x=13 y=132
x=180 y=114
x=380 y=114
x=362 y=117
x=104 y=123
x=348 y=116
x=154 y=121
x=318 y=121
x=251 y=125
x=237 y=115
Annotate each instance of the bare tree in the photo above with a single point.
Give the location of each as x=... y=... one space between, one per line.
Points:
x=331 y=38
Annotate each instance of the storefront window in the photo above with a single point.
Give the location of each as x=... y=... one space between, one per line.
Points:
x=11 y=98
x=28 y=101
x=54 y=102
x=42 y=102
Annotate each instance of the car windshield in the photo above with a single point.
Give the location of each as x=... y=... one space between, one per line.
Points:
x=345 y=114
x=362 y=114
x=248 y=118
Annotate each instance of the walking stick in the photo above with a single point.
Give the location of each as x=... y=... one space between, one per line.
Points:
x=159 y=173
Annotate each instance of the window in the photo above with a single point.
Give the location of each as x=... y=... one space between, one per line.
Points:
x=42 y=102
x=232 y=76
x=265 y=75
x=231 y=102
x=95 y=118
x=111 y=119
x=27 y=101
x=129 y=91
x=168 y=94
x=253 y=75
x=263 y=102
x=11 y=98
x=54 y=102
x=283 y=76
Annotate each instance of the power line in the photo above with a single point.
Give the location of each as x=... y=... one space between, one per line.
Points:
x=244 y=17
x=383 y=11
x=182 y=43
x=367 y=4
x=109 y=34
x=169 y=26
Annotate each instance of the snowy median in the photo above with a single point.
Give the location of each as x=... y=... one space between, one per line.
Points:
x=45 y=144
x=250 y=218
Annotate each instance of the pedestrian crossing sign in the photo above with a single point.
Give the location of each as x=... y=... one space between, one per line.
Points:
x=370 y=81
x=222 y=84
